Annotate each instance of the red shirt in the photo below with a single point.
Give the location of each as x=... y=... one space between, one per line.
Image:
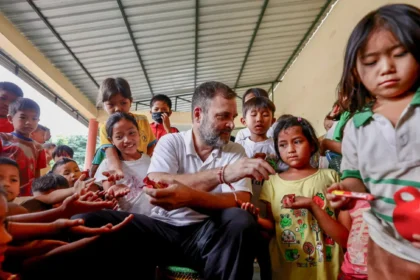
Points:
x=29 y=155
x=6 y=126
x=159 y=130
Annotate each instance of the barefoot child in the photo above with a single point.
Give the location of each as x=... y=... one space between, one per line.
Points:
x=308 y=238
x=381 y=150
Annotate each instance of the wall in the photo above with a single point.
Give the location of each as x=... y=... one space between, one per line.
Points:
x=309 y=88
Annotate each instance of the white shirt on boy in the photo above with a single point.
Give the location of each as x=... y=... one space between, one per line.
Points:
x=136 y=201
x=175 y=154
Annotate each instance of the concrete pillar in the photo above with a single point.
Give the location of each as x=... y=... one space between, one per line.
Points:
x=91 y=142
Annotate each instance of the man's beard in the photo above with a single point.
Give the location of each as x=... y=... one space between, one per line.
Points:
x=210 y=135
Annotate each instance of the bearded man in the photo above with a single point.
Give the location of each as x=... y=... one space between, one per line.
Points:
x=197 y=222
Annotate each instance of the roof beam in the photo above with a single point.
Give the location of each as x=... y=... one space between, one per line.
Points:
x=183 y=99
x=197 y=18
x=21 y=50
x=133 y=40
x=305 y=38
x=257 y=27
x=51 y=28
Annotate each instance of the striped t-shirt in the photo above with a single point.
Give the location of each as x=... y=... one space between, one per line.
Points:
x=386 y=159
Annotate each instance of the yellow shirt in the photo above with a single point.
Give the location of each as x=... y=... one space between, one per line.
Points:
x=146 y=135
x=300 y=249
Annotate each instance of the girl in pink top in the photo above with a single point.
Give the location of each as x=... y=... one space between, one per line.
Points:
x=355 y=260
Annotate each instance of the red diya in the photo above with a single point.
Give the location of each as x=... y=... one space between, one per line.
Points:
x=406 y=214
x=153 y=185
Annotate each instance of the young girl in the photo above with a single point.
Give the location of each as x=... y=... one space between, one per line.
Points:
x=124 y=135
x=115 y=96
x=305 y=226
x=381 y=149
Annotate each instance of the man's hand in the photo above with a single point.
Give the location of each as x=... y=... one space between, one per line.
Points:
x=175 y=196
x=256 y=168
x=166 y=122
x=73 y=205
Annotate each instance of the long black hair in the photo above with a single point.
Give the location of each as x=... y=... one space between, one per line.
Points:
x=287 y=121
x=404 y=22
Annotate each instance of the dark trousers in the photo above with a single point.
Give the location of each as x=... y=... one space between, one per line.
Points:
x=222 y=247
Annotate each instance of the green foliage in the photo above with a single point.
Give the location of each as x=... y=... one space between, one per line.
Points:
x=77 y=143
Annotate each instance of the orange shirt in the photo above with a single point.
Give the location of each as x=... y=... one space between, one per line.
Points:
x=6 y=126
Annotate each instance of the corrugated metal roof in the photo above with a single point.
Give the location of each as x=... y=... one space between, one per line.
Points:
x=168 y=47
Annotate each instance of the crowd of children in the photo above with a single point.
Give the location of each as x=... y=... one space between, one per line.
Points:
x=308 y=231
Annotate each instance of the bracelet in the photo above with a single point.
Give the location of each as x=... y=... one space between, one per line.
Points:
x=221 y=173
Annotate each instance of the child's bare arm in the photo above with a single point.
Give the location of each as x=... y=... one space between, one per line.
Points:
x=15 y=209
x=71 y=206
x=332 y=227
x=330 y=145
x=56 y=196
x=29 y=231
x=265 y=223
x=114 y=162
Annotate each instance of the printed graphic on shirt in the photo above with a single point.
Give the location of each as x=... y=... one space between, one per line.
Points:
x=315 y=228
x=289 y=237
x=319 y=249
x=285 y=221
x=301 y=228
x=291 y=255
x=143 y=136
x=299 y=212
x=319 y=199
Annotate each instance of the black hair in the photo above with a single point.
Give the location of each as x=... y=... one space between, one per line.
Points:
x=49 y=182
x=257 y=92
x=116 y=117
x=163 y=98
x=404 y=22
x=113 y=86
x=63 y=150
x=287 y=121
x=61 y=162
x=205 y=92
x=23 y=104
x=9 y=161
x=12 y=88
x=258 y=103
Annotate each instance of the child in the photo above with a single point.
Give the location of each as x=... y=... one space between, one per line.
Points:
x=258 y=115
x=161 y=110
x=304 y=224
x=39 y=134
x=9 y=92
x=123 y=133
x=249 y=94
x=381 y=149
x=43 y=186
x=30 y=156
x=10 y=180
x=62 y=151
x=115 y=96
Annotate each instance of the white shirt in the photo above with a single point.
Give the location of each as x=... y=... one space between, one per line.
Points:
x=175 y=154
x=245 y=133
x=136 y=201
x=386 y=159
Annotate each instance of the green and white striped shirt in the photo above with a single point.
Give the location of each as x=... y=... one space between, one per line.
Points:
x=386 y=159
